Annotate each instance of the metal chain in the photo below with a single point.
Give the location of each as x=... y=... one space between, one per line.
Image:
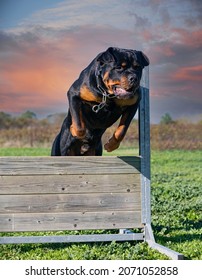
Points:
x=105 y=95
x=97 y=108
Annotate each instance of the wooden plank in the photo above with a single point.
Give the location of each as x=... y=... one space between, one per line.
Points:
x=66 y=193
x=69 y=184
x=70 y=221
x=69 y=202
x=68 y=165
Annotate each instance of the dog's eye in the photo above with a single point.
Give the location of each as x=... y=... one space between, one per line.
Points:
x=121 y=67
x=136 y=66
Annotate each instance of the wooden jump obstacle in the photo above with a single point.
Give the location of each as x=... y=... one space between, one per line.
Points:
x=80 y=193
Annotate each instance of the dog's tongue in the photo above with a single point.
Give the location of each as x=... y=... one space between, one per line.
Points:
x=120 y=91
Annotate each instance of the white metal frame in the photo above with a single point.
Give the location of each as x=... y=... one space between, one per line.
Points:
x=144 y=152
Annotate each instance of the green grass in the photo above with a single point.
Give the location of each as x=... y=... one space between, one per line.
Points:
x=47 y=151
x=24 y=152
x=176 y=213
x=177 y=200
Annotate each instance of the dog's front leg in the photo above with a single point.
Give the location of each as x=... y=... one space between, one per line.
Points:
x=120 y=132
x=77 y=128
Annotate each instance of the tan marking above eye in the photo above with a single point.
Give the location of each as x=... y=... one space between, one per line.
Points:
x=123 y=64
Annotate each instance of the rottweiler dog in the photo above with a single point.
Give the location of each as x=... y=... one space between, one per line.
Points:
x=106 y=90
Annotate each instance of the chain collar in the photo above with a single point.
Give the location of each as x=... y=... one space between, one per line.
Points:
x=105 y=94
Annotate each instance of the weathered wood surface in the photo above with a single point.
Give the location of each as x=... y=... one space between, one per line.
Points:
x=66 y=193
x=68 y=165
x=68 y=203
x=41 y=184
x=70 y=221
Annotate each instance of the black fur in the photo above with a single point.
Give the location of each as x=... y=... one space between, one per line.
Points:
x=105 y=91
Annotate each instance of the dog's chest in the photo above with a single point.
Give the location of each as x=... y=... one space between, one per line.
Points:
x=126 y=102
x=109 y=114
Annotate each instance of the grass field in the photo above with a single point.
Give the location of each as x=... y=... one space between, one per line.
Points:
x=176 y=213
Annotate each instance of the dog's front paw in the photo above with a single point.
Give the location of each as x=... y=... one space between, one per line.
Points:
x=112 y=144
x=79 y=133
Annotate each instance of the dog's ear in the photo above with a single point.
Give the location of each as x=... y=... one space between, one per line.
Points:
x=106 y=57
x=142 y=59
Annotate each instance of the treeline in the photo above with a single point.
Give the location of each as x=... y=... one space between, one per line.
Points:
x=28 y=131
x=7 y=121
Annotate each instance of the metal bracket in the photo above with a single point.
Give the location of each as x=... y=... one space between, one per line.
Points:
x=149 y=238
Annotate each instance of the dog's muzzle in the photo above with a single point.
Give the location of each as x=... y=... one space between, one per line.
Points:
x=122 y=93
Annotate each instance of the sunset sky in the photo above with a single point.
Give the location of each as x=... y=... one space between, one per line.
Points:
x=44 y=45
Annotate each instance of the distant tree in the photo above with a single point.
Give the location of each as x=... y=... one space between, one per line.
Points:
x=166 y=119
x=4 y=116
x=25 y=119
x=5 y=120
x=28 y=115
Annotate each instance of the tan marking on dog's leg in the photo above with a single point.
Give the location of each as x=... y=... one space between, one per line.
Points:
x=120 y=132
x=112 y=144
x=76 y=130
x=115 y=140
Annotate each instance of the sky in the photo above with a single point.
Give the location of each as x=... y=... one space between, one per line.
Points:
x=45 y=44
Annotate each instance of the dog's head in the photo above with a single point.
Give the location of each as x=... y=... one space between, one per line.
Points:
x=121 y=71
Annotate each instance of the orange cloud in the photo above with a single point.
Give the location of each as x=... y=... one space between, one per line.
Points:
x=34 y=87
x=189 y=38
x=191 y=73
x=35 y=77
